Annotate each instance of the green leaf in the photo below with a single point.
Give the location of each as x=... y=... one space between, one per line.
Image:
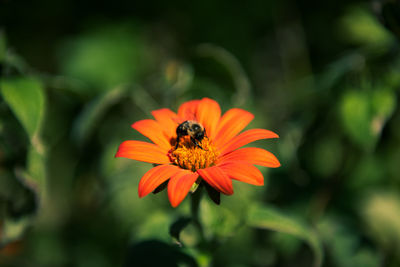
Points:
x=365 y=112
x=268 y=218
x=355 y=112
x=383 y=102
x=11 y=230
x=25 y=97
x=176 y=227
x=361 y=27
x=36 y=170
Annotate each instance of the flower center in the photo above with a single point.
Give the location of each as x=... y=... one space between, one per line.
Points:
x=191 y=157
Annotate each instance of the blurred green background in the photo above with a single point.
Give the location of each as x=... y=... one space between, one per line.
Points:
x=324 y=75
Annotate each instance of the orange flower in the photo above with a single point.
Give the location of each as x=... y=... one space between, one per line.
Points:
x=216 y=160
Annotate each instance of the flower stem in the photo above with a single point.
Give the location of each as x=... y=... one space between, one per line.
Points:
x=194 y=208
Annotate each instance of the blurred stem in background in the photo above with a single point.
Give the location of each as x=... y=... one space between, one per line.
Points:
x=195 y=199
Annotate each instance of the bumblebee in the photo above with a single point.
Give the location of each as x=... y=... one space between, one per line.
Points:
x=194 y=129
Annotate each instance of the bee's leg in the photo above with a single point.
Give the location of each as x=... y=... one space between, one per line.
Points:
x=195 y=142
x=177 y=143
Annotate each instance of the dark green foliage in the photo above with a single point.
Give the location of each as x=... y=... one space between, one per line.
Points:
x=324 y=75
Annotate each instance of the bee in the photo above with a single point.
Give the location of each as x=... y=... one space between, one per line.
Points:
x=194 y=129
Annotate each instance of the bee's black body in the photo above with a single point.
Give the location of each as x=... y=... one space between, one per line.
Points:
x=192 y=128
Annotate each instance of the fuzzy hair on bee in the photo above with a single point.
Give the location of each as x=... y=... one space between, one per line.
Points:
x=193 y=129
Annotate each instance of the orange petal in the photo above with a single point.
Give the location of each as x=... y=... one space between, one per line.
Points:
x=154 y=177
x=243 y=172
x=208 y=114
x=187 y=111
x=231 y=123
x=217 y=178
x=246 y=138
x=167 y=119
x=142 y=151
x=152 y=130
x=179 y=186
x=251 y=155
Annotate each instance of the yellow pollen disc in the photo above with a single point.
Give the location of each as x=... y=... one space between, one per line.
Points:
x=191 y=157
